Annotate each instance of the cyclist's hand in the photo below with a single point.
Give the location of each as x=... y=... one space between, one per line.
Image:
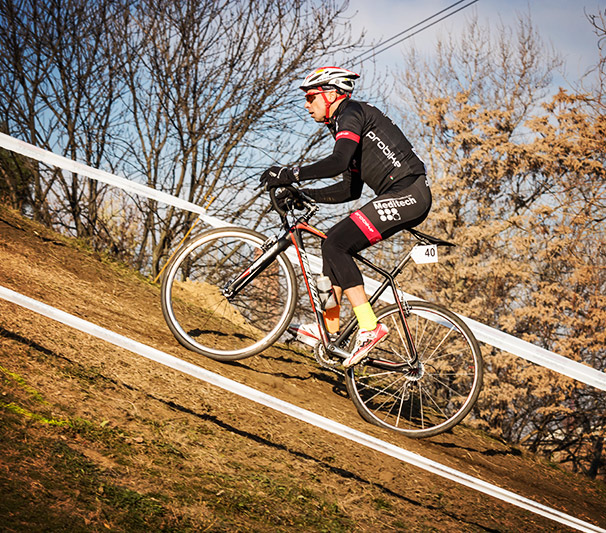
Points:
x=279 y=176
x=287 y=200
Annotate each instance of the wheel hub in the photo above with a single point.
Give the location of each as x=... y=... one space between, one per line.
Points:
x=415 y=373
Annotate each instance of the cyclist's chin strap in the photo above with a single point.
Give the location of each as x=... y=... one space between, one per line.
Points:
x=328 y=104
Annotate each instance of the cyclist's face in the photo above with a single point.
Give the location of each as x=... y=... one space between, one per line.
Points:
x=316 y=102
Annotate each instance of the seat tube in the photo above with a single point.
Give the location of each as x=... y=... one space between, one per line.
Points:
x=310 y=282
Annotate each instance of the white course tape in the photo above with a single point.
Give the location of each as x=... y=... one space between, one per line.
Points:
x=296 y=412
x=49 y=158
x=521 y=348
x=491 y=336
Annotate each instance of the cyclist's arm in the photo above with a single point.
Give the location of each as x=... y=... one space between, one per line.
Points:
x=349 y=188
x=333 y=165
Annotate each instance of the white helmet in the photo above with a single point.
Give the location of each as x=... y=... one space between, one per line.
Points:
x=339 y=78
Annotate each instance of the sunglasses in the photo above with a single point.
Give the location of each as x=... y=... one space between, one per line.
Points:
x=310 y=97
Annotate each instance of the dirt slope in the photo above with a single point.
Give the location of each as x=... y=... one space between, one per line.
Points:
x=93 y=438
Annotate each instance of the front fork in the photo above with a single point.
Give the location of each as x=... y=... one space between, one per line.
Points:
x=272 y=248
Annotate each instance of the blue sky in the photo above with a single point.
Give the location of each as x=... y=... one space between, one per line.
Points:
x=560 y=23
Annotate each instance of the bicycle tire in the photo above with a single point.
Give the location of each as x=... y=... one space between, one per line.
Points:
x=434 y=397
x=205 y=321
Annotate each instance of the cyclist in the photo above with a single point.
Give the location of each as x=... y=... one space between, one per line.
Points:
x=369 y=148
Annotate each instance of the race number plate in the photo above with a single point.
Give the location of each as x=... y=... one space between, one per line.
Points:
x=425 y=254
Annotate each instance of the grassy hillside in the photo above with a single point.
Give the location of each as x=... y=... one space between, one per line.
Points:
x=94 y=438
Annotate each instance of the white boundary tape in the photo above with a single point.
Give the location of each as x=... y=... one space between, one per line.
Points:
x=483 y=333
x=296 y=412
x=49 y=158
x=526 y=350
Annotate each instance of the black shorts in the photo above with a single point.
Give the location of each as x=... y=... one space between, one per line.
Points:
x=399 y=208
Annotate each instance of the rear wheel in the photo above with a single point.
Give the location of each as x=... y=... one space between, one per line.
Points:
x=430 y=397
x=225 y=328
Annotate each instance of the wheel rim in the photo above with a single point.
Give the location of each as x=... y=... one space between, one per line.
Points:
x=428 y=399
x=208 y=321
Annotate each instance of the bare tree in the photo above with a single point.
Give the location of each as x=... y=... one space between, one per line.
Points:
x=22 y=74
x=598 y=22
x=60 y=92
x=81 y=96
x=190 y=97
x=210 y=88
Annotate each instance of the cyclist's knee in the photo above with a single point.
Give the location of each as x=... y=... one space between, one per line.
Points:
x=333 y=244
x=344 y=238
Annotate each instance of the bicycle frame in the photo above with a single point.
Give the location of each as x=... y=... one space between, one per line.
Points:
x=230 y=293
x=292 y=235
x=389 y=281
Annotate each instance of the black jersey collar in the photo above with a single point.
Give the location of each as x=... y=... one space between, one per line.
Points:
x=332 y=123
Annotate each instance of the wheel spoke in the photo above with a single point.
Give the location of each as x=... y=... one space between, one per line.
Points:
x=435 y=395
x=199 y=314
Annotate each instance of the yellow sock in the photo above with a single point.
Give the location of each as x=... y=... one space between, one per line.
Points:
x=366 y=316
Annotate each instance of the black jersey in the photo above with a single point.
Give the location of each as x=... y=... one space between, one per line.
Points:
x=369 y=149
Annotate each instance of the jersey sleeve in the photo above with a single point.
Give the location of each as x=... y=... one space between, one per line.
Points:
x=349 y=188
x=333 y=165
x=347 y=140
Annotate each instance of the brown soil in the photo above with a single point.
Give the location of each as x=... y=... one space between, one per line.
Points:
x=95 y=438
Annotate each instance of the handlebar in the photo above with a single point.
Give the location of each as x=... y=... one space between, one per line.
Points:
x=299 y=198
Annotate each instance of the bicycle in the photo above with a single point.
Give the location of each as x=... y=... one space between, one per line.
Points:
x=230 y=293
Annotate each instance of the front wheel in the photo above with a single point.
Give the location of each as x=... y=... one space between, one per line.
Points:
x=227 y=328
x=430 y=397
